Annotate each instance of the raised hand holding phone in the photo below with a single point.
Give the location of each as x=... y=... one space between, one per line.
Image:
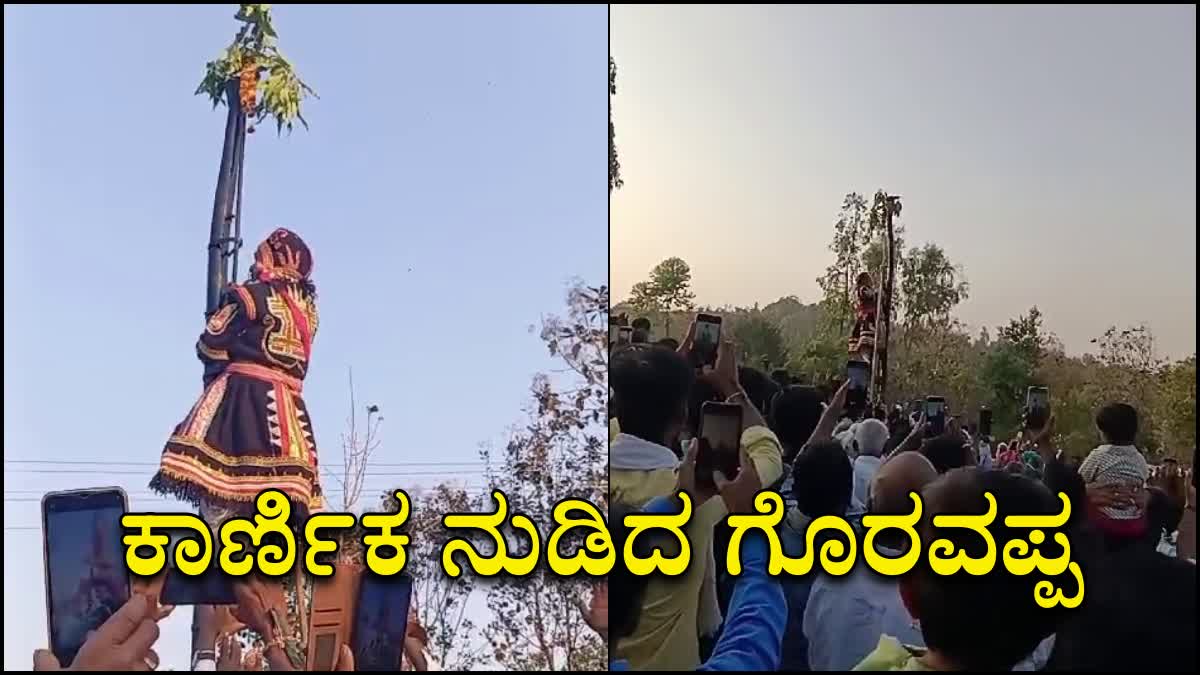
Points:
x=831 y=415
x=123 y=643
x=739 y=493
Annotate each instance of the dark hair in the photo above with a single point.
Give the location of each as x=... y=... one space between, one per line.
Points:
x=1118 y=422
x=641 y=323
x=759 y=388
x=822 y=480
x=794 y=416
x=1059 y=477
x=989 y=622
x=781 y=377
x=946 y=453
x=650 y=389
x=1139 y=616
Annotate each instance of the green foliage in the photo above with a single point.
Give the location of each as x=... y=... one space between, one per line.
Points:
x=851 y=232
x=668 y=290
x=931 y=284
x=759 y=340
x=560 y=451
x=255 y=46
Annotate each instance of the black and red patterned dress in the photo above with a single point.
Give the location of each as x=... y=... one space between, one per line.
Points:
x=866 y=303
x=251 y=430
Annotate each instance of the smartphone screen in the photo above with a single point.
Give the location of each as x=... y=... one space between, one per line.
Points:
x=708 y=338
x=211 y=588
x=935 y=415
x=985 y=422
x=721 y=431
x=1037 y=407
x=859 y=375
x=86 y=577
x=381 y=622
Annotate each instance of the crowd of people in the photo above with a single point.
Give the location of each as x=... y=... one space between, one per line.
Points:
x=1131 y=529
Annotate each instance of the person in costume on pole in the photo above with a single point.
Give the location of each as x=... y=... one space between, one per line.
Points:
x=250 y=430
x=866 y=302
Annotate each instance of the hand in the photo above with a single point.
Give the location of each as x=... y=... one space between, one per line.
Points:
x=739 y=493
x=230 y=657
x=832 y=413
x=685 y=345
x=595 y=614
x=345 y=660
x=724 y=376
x=685 y=479
x=1111 y=496
x=914 y=438
x=1037 y=437
x=256 y=601
x=122 y=643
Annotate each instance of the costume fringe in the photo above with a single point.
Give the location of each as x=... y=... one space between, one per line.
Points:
x=168 y=485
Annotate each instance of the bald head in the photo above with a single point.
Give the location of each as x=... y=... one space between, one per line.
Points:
x=904 y=473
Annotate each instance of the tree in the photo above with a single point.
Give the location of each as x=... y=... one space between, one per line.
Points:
x=357 y=447
x=644 y=299
x=1026 y=335
x=758 y=339
x=561 y=451
x=851 y=231
x=1175 y=409
x=669 y=289
x=932 y=286
x=614 y=164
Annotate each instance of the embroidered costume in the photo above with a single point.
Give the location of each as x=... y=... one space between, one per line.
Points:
x=250 y=430
x=862 y=338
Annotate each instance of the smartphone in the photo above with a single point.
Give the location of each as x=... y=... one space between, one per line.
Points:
x=331 y=617
x=86 y=577
x=721 y=438
x=858 y=373
x=214 y=587
x=985 y=422
x=708 y=338
x=935 y=415
x=1037 y=407
x=624 y=335
x=381 y=622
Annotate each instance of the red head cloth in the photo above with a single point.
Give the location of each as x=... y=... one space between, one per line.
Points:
x=283 y=256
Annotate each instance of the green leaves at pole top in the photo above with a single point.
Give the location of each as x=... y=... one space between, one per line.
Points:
x=252 y=54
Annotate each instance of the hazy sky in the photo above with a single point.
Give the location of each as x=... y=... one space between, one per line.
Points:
x=1050 y=150
x=463 y=144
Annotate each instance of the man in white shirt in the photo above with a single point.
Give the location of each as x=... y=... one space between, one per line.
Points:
x=870 y=437
x=846 y=615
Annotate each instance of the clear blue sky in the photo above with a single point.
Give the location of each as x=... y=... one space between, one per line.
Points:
x=1051 y=150
x=464 y=143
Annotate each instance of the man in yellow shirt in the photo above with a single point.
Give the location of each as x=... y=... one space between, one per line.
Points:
x=650 y=393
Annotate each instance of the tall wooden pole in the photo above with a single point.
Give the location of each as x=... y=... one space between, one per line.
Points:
x=883 y=318
x=222 y=214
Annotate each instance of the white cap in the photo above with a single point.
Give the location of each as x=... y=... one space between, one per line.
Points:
x=871 y=435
